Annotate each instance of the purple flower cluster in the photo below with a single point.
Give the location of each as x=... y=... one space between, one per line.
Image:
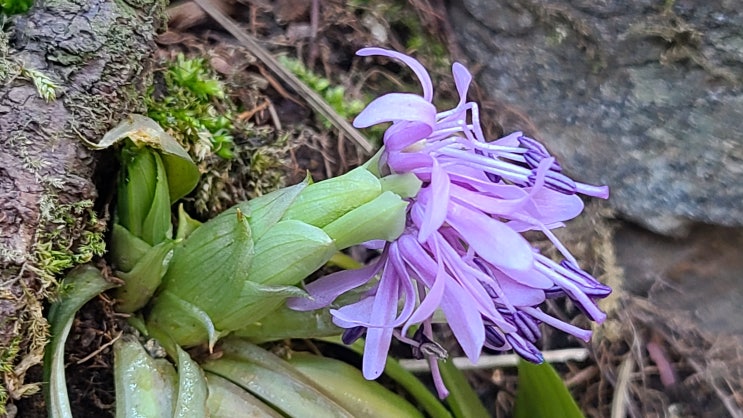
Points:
x=462 y=251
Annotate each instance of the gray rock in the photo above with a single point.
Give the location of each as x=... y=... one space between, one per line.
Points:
x=629 y=94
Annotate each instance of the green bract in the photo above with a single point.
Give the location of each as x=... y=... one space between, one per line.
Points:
x=243 y=264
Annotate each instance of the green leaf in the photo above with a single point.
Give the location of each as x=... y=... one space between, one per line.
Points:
x=273 y=380
x=145 y=387
x=226 y=397
x=422 y=395
x=192 y=389
x=143 y=280
x=186 y=224
x=81 y=285
x=462 y=400
x=264 y=211
x=209 y=267
x=156 y=226
x=346 y=385
x=126 y=248
x=541 y=393
x=137 y=185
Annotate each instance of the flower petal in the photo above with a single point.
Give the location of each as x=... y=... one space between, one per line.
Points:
x=376 y=346
x=394 y=107
x=462 y=79
x=324 y=290
x=464 y=320
x=435 y=209
x=491 y=239
x=417 y=67
x=404 y=133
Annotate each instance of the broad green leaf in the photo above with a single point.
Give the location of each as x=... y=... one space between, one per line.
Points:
x=382 y=218
x=347 y=386
x=321 y=203
x=192 y=390
x=141 y=282
x=226 y=397
x=145 y=387
x=182 y=173
x=81 y=285
x=273 y=380
x=462 y=400
x=542 y=394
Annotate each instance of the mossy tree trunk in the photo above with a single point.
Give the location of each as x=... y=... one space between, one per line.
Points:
x=96 y=52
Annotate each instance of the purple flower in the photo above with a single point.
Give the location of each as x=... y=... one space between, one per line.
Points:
x=462 y=251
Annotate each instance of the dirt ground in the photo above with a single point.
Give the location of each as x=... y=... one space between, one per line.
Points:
x=670 y=347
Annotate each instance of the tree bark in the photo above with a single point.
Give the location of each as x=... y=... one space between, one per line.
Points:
x=97 y=53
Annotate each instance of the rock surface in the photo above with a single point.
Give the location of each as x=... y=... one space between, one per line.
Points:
x=643 y=96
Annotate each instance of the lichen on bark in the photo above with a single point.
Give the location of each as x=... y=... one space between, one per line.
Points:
x=97 y=52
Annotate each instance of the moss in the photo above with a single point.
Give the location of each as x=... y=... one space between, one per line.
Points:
x=71 y=235
x=7 y=360
x=192 y=105
x=238 y=159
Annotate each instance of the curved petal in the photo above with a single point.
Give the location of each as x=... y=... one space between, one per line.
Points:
x=407 y=162
x=417 y=67
x=549 y=206
x=404 y=133
x=462 y=79
x=397 y=107
x=354 y=315
x=432 y=300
